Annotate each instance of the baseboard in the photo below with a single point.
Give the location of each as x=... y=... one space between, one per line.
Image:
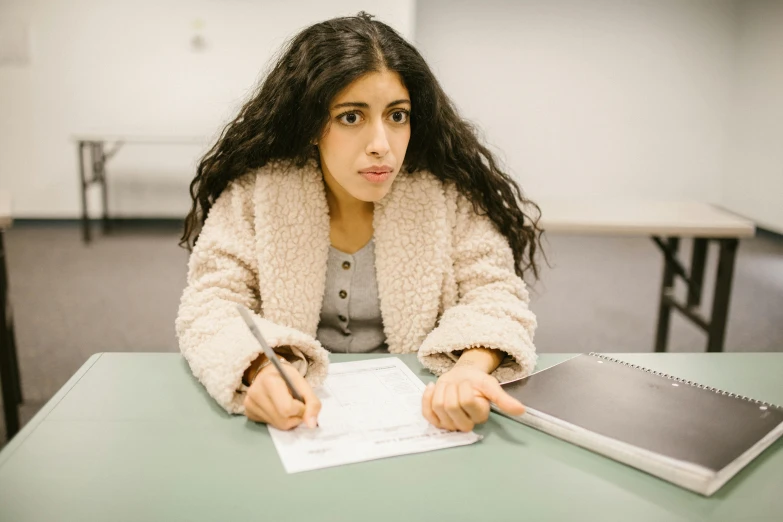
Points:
x=769 y=234
x=118 y=222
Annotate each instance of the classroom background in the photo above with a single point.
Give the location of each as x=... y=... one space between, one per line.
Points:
x=601 y=101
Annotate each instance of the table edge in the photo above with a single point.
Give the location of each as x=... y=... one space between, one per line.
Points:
x=139 y=139
x=50 y=405
x=646 y=230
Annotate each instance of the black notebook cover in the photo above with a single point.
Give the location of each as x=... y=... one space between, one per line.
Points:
x=653 y=411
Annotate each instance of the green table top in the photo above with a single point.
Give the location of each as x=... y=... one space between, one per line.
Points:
x=135 y=437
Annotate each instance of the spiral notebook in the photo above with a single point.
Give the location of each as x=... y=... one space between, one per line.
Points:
x=691 y=435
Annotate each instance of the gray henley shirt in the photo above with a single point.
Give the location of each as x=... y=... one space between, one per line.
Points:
x=351 y=313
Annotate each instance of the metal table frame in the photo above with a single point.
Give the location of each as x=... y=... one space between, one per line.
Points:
x=93 y=170
x=97 y=163
x=9 y=361
x=666 y=222
x=715 y=327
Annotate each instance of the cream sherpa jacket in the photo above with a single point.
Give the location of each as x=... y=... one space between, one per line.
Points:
x=446 y=278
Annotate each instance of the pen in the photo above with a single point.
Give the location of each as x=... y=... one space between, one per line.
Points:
x=267 y=350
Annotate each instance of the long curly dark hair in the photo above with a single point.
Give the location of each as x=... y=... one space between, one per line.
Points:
x=290 y=109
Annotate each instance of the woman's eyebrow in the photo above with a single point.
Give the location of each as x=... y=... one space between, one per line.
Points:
x=367 y=106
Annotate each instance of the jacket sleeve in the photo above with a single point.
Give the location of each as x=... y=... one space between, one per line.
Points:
x=492 y=309
x=222 y=272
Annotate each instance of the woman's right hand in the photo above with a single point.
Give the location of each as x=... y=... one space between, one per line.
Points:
x=269 y=400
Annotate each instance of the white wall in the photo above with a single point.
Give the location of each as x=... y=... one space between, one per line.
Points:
x=127 y=67
x=592 y=98
x=659 y=99
x=754 y=181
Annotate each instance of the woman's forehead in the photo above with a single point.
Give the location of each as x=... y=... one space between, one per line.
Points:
x=375 y=90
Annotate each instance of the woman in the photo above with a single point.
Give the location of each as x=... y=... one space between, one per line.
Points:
x=351 y=208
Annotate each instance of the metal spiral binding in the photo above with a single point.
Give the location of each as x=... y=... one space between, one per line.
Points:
x=684 y=381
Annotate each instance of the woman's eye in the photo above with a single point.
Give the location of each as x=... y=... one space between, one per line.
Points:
x=349 y=118
x=352 y=118
x=400 y=116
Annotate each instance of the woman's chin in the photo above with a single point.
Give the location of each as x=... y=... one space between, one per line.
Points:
x=372 y=195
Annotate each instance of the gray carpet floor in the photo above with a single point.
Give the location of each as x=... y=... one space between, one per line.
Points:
x=121 y=293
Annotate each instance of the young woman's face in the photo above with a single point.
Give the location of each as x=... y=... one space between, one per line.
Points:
x=364 y=144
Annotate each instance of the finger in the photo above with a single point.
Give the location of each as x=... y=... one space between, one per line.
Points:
x=492 y=390
x=439 y=407
x=253 y=410
x=475 y=405
x=454 y=409
x=290 y=423
x=311 y=401
x=259 y=403
x=283 y=404
x=426 y=405
x=261 y=406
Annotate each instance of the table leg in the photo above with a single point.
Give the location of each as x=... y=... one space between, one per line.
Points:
x=720 y=303
x=696 y=280
x=14 y=356
x=667 y=288
x=104 y=186
x=8 y=370
x=9 y=321
x=83 y=177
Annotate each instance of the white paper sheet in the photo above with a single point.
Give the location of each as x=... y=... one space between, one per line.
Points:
x=371 y=409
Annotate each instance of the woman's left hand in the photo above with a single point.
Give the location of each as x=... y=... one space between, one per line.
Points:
x=460 y=399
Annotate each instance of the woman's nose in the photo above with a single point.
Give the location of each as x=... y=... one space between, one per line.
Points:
x=379 y=143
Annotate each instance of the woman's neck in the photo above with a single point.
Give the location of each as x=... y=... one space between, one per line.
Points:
x=344 y=208
x=344 y=211
x=350 y=222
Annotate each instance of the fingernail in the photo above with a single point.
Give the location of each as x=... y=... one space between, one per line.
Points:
x=430 y=385
x=311 y=423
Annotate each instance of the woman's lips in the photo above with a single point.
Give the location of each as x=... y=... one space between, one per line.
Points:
x=375 y=177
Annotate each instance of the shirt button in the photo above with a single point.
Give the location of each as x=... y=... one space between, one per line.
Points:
x=343 y=294
x=346 y=265
x=342 y=318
